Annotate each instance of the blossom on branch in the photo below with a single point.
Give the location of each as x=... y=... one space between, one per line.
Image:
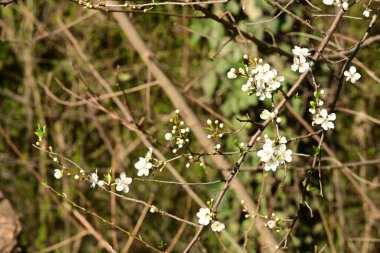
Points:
x=217 y=226
x=232 y=74
x=274 y=153
x=144 y=165
x=94 y=180
x=58 y=174
x=204 y=216
x=123 y=182
x=300 y=64
x=260 y=78
x=325 y=120
x=352 y=75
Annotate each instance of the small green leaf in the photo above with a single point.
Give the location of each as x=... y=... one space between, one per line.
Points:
x=108 y=177
x=310 y=188
x=304 y=182
x=162 y=245
x=40 y=132
x=316 y=150
x=312 y=104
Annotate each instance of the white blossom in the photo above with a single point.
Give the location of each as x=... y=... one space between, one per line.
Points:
x=144 y=165
x=153 y=209
x=267 y=152
x=58 y=174
x=122 y=183
x=300 y=64
x=366 y=13
x=271 y=165
x=284 y=155
x=168 y=136
x=352 y=75
x=325 y=120
x=300 y=51
x=271 y=224
x=100 y=183
x=261 y=80
x=329 y=2
x=217 y=226
x=232 y=74
x=345 y=5
x=204 y=216
x=265 y=114
x=274 y=153
x=94 y=179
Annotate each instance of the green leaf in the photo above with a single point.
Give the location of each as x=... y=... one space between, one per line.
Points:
x=304 y=182
x=40 y=132
x=316 y=150
x=108 y=177
x=310 y=188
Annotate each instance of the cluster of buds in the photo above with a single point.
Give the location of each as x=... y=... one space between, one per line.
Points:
x=179 y=133
x=86 y=3
x=214 y=129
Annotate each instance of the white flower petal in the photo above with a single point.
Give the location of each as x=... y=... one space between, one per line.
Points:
x=332 y=117
x=119 y=187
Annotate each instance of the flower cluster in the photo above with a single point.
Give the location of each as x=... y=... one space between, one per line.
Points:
x=343 y=3
x=352 y=75
x=320 y=115
x=274 y=153
x=261 y=79
x=205 y=216
x=214 y=129
x=144 y=165
x=179 y=134
x=300 y=62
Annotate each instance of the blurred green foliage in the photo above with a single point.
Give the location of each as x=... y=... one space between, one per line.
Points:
x=201 y=54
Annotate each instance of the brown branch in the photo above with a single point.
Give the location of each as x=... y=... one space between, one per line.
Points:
x=351 y=58
x=6 y=2
x=304 y=22
x=236 y=32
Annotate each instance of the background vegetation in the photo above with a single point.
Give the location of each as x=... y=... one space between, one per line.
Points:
x=51 y=51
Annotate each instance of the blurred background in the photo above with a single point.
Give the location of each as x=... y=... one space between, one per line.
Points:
x=55 y=56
